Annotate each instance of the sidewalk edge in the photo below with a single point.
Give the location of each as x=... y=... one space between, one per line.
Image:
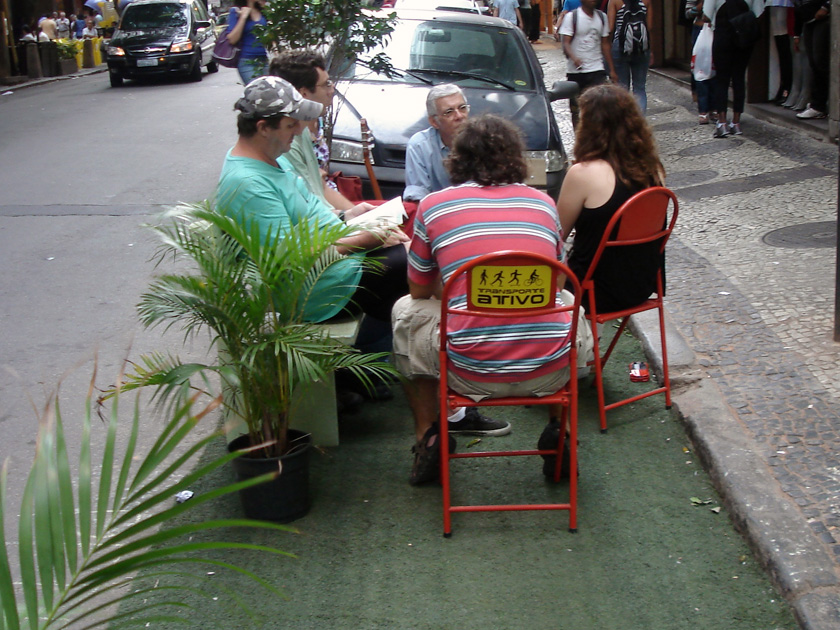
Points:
x=772 y=524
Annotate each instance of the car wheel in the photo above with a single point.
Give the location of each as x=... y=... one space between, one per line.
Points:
x=116 y=79
x=212 y=67
x=195 y=74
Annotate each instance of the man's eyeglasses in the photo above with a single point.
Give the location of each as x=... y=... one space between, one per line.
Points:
x=449 y=113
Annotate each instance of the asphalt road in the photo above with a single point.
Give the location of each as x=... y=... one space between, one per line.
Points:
x=83 y=167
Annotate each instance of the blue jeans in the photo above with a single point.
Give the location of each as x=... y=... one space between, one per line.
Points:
x=632 y=73
x=251 y=67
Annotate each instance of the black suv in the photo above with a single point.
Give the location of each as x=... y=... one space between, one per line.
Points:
x=158 y=37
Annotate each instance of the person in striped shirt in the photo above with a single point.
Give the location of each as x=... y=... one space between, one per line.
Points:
x=487 y=209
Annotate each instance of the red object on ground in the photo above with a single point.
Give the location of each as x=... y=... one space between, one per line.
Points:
x=639 y=372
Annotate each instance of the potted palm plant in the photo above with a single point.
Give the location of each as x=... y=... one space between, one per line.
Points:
x=250 y=292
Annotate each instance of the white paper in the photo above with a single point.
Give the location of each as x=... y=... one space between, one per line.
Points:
x=389 y=214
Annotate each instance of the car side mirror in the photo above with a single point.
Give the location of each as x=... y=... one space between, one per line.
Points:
x=562 y=90
x=203 y=24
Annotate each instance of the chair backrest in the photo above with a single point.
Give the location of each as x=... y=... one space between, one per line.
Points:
x=511 y=284
x=641 y=219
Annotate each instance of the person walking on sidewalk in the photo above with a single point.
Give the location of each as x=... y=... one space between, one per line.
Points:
x=703 y=91
x=730 y=54
x=488 y=209
x=508 y=10
x=813 y=24
x=253 y=60
x=630 y=24
x=586 y=44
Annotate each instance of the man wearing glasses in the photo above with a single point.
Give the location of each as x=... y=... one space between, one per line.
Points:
x=424 y=171
x=425 y=174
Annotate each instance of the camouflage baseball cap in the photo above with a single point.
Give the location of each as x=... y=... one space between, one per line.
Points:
x=272 y=96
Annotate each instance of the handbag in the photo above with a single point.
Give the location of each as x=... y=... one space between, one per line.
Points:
x=224 y=53
x=348 y=185
x=746 y=29
x=701 y=56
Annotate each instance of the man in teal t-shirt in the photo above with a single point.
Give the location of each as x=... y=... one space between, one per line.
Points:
x=259 y=186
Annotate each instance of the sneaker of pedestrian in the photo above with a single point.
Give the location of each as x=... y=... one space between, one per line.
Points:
x=426 y=465
x=473 y=423
x=735 y=129
x=721 y=130
x=713 y=117
x=548 y=440
x=811 y=113
x=703 y=119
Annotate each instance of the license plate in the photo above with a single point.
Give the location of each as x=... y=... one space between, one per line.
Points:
x=536 y=172
x=145 y=63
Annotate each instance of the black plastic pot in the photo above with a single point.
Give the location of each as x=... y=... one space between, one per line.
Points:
x=284 y=499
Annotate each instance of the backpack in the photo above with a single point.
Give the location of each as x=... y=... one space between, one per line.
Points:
x=633 y=38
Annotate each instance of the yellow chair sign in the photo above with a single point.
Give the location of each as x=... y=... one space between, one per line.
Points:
x=511 y=287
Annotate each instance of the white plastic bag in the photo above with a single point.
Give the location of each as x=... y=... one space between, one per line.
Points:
x=701 y=57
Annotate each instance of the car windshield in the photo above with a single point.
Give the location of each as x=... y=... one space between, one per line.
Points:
x=145 y=16
x=443 y=52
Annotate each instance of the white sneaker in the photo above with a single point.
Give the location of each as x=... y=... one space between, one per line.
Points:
x=811 y=113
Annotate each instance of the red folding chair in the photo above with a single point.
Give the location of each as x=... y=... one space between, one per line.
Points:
x=642 y=219
x=533 y=293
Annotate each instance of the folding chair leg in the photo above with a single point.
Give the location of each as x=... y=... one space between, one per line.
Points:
x=665 y=376
x=443 y=445
x=599 y=377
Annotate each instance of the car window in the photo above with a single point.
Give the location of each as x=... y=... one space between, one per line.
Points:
x=199 y=12
x=147 y=16
x=439 y=47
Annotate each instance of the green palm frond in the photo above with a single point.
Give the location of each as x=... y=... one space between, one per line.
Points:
x=75 y=558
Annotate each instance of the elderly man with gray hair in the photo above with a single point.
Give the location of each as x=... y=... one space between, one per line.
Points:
x=447 y=109
x=424 y=174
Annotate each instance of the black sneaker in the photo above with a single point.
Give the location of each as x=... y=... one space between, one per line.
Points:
x=426 y=466
x=548 y=440
x=473 y=423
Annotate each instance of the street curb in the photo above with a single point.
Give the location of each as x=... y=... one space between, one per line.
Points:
x=11 y=87
x=772 y=524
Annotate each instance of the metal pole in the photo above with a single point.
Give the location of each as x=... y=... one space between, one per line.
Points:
x=833 y=118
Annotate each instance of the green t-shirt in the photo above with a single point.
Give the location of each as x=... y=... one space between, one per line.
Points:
x=276 y=199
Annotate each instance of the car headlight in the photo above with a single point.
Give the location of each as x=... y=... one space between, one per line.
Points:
x=116 y=51
x=553 y=159
x=346 y=151
x=184 y=46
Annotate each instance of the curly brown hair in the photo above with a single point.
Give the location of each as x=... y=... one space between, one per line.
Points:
x=487 y=150
x=612 y=128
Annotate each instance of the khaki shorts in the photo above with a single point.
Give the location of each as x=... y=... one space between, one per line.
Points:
x=416 y=325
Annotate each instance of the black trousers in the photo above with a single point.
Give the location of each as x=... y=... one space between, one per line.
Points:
x=730 y=68
x=817 y=37
x=380 y=288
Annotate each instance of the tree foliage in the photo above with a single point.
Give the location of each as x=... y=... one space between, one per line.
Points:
x=345 y=25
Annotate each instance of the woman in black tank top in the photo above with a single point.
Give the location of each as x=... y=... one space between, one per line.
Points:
x=615 y=158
